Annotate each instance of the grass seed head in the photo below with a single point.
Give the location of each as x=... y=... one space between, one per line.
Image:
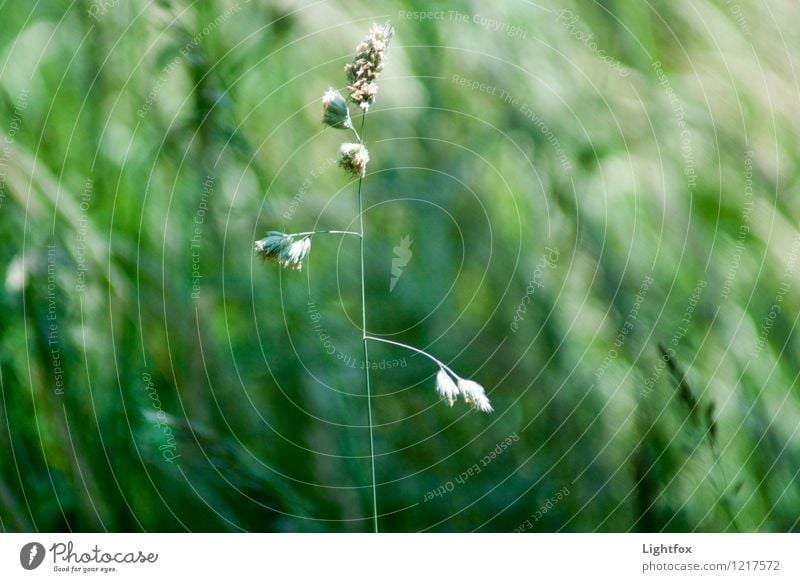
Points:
x=474 y=395
x=353 y=157
x=284 y=249
x=334 y=110
x=368 y=64
x=445 y=386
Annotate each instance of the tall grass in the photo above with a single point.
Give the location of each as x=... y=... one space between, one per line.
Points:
x=553 y=148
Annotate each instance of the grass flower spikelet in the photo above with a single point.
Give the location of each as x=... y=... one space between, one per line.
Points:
x=367 y=65
x=284 y=249
x=353 y=158
x=334 y=110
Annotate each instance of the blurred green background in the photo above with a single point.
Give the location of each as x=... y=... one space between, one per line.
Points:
x=601 y=201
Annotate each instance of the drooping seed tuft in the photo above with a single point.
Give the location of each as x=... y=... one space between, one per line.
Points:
x=284 y=249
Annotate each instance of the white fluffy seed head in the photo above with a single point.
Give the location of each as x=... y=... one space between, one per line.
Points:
x=445 y=386
x=334 y=110
x=284 y=249
x=296 y=252
x=367 y=65
x=449 y=386
x=474 y=395
x=353 y=158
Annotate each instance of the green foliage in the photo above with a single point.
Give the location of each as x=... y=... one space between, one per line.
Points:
x=155 y=376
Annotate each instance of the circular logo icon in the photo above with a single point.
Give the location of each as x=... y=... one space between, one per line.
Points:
x=31 y=555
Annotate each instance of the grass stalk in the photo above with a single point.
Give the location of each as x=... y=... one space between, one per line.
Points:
x=364 y=335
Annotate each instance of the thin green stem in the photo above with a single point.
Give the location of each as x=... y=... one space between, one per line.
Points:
x=440 y=363
x=313 y=232
x=364 y=337
x=358 y=137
